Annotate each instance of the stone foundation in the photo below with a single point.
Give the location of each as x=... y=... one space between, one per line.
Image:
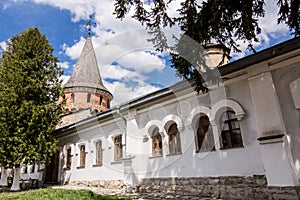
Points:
x=107 y=184
x=227 y=187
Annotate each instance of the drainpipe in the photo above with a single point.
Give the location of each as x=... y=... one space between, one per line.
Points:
x=125 y=129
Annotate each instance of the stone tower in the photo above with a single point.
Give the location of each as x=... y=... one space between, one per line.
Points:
x=84 y=89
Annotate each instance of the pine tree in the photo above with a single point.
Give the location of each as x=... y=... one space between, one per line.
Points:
x=29 y=90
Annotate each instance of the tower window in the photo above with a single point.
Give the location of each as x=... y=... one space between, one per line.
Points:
x=231 y=132
x=108 y=104
x=88 y=98
x=73 y=97
x=101 y=99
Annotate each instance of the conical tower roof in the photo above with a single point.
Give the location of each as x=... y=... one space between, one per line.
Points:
x=86 y=72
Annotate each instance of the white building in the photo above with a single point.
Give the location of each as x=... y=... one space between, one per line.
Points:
x=247 y=126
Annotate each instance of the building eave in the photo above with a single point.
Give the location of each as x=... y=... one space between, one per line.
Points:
x=260 y=56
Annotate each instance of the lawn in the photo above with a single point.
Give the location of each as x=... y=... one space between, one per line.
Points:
x=54 y=194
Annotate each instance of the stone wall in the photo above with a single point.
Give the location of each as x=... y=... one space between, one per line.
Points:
x=227 y=187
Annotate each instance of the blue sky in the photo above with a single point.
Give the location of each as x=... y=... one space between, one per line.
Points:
x=128 y=64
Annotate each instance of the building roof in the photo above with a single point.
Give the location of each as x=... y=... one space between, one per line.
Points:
x=235 y=66
x=258 y=57
x=86 y=72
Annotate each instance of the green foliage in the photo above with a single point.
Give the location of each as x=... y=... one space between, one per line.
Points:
x=29 y=90
x=54 y=194
x=220 y=21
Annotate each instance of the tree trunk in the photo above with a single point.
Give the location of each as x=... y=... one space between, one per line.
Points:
x=16 y=181
x=3 y=180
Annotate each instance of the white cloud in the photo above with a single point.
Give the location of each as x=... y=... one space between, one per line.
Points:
x=74 y=51
x=125 y=43
x=118 y=73
x=64 y=65
x=2 y=46
x=123 y=93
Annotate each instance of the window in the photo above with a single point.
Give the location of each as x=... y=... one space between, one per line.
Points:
x=231 y=133
x=69 y=158
x=156 y=143
x=204 y=137
x=174 y=140
x=24 y=169
x=82 y=155
x=32 y=168
x=108 y=104
x=101 y=99
x=118 y=147
x=88 y=98
x=99 y=152
x=73 y=97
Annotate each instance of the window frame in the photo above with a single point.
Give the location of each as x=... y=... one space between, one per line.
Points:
x=174 y=142
x=73 y=97
x=88 y=98
x=204 y=133
x=68 y=157
x=118 y=148
x=98 y=153
x=229 y=139
x=82 y=155
x=157 y=144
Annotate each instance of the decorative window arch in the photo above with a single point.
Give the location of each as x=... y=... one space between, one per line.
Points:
x=196 y=111
x=173 y=139
x=204 y=138
x=231 y=136
x=224 y=105
x=156 y=142
x=88 y=99
x=173 y=118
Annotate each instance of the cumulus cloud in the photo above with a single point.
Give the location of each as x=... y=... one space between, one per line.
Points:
x=121 y=46
x=64 y=65
x=122 y=93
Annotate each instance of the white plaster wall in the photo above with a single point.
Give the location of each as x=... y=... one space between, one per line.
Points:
x=238 y=161
x=282 y=78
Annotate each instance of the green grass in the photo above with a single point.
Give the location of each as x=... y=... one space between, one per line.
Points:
x=54 y=194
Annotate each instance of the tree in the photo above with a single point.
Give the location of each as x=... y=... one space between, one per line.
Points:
x=220 y=21
x=29 y=90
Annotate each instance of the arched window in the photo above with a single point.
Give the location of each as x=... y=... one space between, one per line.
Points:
x=68 y=158
x=231 y=132
x=73 y=97
x=88 y=98
x=174 y=140
x=204 y=137
x=99 y=152
x=156 y=143
x=118 y=148
x=82 y=155
x=101 y=99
